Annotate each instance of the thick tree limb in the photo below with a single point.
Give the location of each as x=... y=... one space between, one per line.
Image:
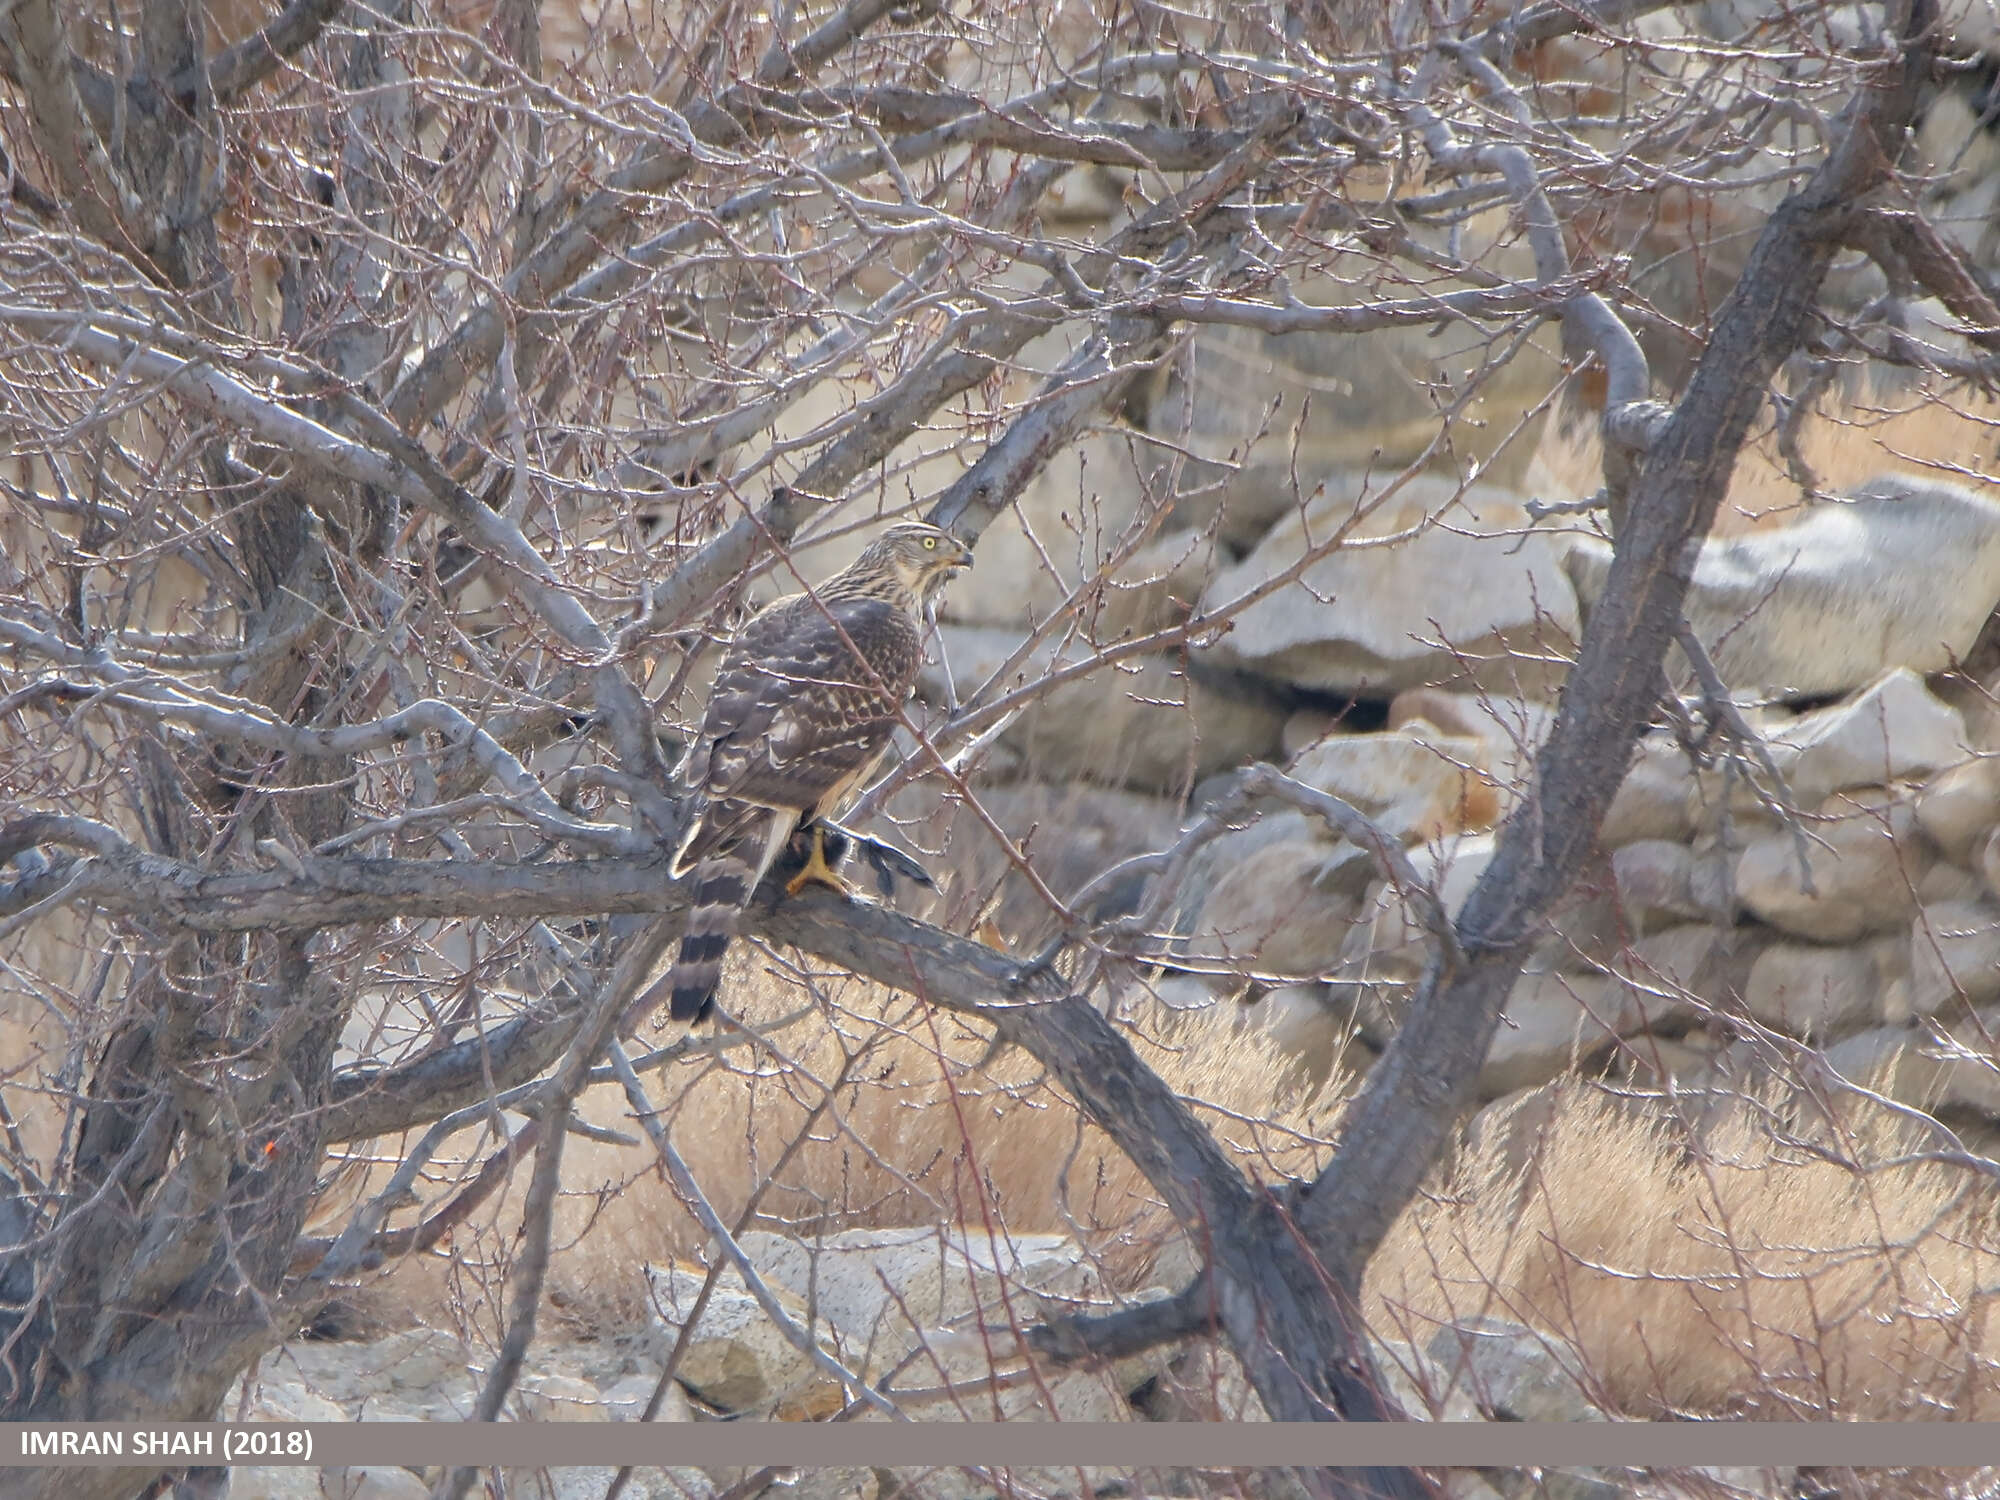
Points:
x=1422 y=1085
x=247 y=63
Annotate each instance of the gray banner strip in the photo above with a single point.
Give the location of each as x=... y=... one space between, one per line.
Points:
x=1145 y=1445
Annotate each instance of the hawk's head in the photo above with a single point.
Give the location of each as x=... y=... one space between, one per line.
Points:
x=918 y=557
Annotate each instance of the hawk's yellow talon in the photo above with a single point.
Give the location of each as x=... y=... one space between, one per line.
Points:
x=817 y=870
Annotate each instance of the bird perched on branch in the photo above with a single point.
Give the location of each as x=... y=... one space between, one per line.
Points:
x=800 y=716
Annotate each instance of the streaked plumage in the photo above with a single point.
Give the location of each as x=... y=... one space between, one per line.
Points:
x=802 y=710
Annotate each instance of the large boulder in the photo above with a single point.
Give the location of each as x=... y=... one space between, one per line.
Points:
x=950 y=1295
x=415 y=1374
x=1435 y=583
x=1258 y=410
x=1555 y=1021
x=1072 y=833
x=1931 y=1073
x=1514 y=1373
x=1904 y=574
x=1058 y=534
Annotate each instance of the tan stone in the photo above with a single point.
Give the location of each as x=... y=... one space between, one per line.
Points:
x=1142 y=722
x=737 y=1360
x=1551 y=1022
x=1954 y=955
x=1654 y=800
x=1959 y=806
x=1815 y=992
x=1416 y=782
x=1512 y=729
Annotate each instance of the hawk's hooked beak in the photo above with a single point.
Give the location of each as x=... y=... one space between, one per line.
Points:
x=961 y=559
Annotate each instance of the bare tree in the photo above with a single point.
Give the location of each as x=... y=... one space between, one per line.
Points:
x=396 y=408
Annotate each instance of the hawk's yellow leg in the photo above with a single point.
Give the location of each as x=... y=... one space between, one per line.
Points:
x=817 y=870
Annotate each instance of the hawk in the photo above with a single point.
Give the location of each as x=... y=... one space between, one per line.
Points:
x=800 y=716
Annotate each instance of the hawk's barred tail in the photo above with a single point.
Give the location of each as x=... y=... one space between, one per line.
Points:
x=721 y=889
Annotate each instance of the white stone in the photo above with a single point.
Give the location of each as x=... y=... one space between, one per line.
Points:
x=1419 y=1388
x=1512 y=729
x=1902 y=576
x=1926 y=1072
x=1989 y=863
x=1372 y=618
x=417 y=1369
x=273 y=1483
x=1815 y=992
x=589 y=1482
x=1655 y=799
x=1554 y=1020
x=1865 y=864
x=277 y=1399
x=1954 y=955
x=1894 y=731
x=625 y=1399
x=868 y=1285
x=544 y=1397
x=1660 y=882
x=1389 y=943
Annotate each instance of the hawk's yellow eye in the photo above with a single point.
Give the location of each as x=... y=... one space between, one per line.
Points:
x=930 y=544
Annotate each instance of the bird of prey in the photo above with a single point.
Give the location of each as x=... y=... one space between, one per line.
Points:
x=800 y=716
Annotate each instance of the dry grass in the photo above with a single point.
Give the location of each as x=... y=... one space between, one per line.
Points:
x=915 y=1125
x=1704 y=1267
x=1700 y=1268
